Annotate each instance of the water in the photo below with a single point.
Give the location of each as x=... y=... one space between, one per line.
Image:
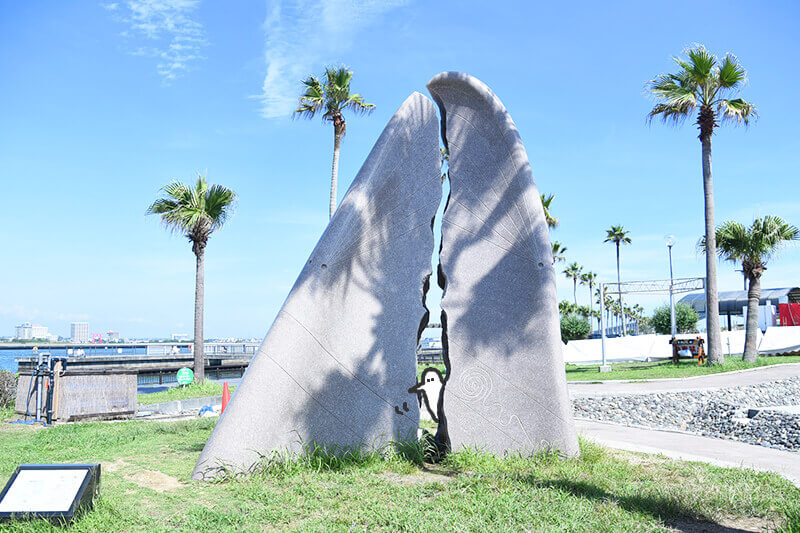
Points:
x=8 y=362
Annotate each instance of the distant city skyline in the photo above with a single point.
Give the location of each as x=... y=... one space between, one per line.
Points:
x=84 y=157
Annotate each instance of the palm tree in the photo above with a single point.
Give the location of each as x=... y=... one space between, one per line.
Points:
x=332 y=96
x=618 y=235
x=589 y=278
x=753 y=247
x=704 y=83
x=552 y=222
x=196 y=213
x=573 y=272
x=558 y=251
x=565 y=307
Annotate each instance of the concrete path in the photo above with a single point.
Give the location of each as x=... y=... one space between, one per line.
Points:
x=752 y=376
x=689 y=447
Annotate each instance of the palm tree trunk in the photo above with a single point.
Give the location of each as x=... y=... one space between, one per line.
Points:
x=619 y=288
x=337 y=140
x=591 y=314
x=751 y=328
x=715 y=355
x=575 y=290
x=199 y=291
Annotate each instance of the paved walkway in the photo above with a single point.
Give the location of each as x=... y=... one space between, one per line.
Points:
x=689 y=447
x=713 y=381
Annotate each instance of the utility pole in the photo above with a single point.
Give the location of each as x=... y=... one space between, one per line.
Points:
x=670 y=240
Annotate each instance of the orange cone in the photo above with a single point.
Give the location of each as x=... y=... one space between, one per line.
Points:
x=226 y=396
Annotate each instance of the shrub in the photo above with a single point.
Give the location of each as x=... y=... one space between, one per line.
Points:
x=573 y=328
x=8 y=388
x=685 y=319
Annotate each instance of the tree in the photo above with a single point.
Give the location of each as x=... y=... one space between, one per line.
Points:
x=558 y=251
x=589 y=278
x=196 y=213
x=565 y=307
x=705 y=84
x=573 y=272
x=574 y=328
x=552 y=222
x=333 y=96
x=618 y=235
x=685 y=319
x=753 y=247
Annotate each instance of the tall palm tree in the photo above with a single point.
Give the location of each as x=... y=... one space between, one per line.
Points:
x=589 y=278
x=332 y=95
x=618 y=235
x=753 y=247
x=196 y=213
x=573 y=272
x=552 y=222
x=558 y=251
x=705 y=84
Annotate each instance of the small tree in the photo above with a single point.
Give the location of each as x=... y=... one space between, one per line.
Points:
x=685 y=319
x=196 y=213
x=574 y=328
x=573 y=272
x=753 y=247
x=332 y=97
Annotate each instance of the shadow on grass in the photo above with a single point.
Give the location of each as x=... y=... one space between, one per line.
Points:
x=666 y=510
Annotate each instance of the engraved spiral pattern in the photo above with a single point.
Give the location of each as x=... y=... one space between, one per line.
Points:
x=474 y=384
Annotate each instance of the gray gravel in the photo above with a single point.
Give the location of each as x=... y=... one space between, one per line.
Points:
x=721 y=413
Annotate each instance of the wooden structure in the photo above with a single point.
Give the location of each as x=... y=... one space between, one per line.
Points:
x=693 y=346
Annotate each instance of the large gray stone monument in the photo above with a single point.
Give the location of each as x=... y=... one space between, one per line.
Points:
x=335 y=367
x=505 y=388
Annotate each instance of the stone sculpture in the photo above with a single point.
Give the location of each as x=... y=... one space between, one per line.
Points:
x=505 y=388
x=335 y=367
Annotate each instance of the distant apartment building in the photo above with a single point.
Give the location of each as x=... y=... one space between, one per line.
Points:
x=112 y=336
x=26 y=331
x=180 y=336
x=79 y=332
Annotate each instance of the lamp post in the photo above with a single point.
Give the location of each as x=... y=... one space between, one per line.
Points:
x=670 y=240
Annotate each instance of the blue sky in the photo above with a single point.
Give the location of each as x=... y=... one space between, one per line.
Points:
x=103 y=103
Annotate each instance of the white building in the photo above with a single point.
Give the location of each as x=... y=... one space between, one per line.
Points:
x=180 y=337
x=24 y=331
x=79 y=332
x=112 y=336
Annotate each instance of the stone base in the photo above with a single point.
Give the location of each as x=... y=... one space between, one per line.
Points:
x=605 y=368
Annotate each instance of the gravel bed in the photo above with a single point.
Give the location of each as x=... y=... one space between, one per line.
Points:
x=720 y=413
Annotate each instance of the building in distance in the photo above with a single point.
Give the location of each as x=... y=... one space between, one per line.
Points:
x=79 y=332
x=112 y=336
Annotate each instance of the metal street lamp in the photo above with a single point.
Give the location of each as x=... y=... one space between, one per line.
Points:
x=670 y=240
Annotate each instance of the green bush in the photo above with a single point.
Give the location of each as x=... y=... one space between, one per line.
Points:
x=8 y=388
x=574 y=327
x=685 y=319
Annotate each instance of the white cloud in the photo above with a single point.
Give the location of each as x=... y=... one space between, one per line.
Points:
x=170 y=33
x=303 y=35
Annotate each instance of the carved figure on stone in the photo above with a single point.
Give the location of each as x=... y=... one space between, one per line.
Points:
x=429 y=391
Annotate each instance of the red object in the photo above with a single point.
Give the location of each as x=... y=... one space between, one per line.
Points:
x=226 y=396
x=790 y=314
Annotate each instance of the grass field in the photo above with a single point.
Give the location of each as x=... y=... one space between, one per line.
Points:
x=666 y=369
x=193 y=390
x=146 y=487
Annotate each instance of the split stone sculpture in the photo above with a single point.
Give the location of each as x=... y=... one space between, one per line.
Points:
x=335 y=367
x=505 y=388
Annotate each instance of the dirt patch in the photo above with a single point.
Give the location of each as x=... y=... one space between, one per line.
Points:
x=724 y=525
x=150 y=479
x=424 y=476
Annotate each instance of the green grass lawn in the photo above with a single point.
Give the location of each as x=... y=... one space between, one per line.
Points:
x=665 y=369
x=193 y=390
x=146 y=486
